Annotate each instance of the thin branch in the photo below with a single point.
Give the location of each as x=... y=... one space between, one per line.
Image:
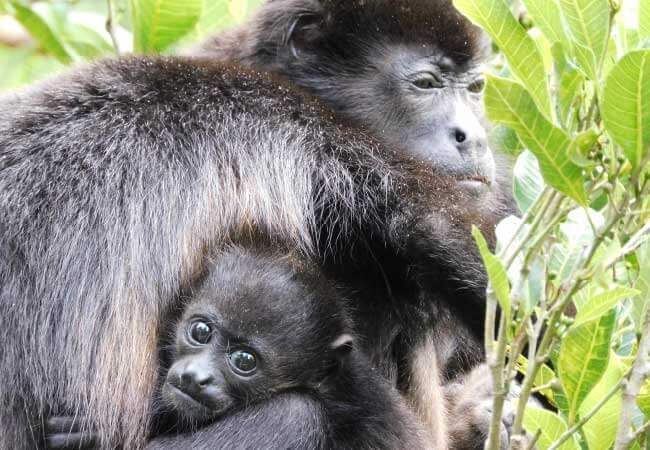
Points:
x=624 y=437
x=110 y=26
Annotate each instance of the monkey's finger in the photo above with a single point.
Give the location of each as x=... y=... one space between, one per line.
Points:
x=70 y=441
x=63 y=425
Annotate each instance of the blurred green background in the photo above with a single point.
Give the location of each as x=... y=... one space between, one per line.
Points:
x=39 y=38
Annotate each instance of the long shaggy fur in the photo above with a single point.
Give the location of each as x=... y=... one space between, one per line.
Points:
x=117 y=178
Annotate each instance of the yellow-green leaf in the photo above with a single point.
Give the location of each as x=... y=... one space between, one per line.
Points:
x=524 y=57
x=597 y=306
x=584 y=355
x=507 y=102
x=547 y=17
x=157 y=24
x=600 y=430
x=643 y=400
x=496 y=272
x=588 y=21
x=550 y=425
x=626 y=105
x=644 y=19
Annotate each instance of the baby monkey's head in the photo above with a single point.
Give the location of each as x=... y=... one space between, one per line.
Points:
x=257 y=324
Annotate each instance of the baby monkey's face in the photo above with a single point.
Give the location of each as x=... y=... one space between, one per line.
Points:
x=199 y=384
x=255 y=327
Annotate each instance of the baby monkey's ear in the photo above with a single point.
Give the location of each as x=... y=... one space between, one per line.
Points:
x=343 y=345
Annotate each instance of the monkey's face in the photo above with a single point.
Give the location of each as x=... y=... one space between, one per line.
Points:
x=407 y=69
x=425 y=105
x=212 y=371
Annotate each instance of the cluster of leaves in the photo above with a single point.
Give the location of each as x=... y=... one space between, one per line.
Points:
x=39 y=38
x=571 y=278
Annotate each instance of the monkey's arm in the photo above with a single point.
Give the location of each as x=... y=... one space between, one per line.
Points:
x=287 y=421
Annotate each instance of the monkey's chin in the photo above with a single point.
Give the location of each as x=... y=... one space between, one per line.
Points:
x=187 y=407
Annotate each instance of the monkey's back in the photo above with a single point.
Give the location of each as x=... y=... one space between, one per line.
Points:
x=115 y=180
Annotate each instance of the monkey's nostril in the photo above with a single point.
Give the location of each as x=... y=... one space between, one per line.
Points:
x=460 y=136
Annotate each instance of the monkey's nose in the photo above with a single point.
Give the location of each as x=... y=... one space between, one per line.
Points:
x=195 y=381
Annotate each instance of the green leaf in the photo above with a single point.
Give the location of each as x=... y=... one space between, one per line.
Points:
x=626 y=105
x=504 y=140
x=588 y=21
x=547 y=17
x=550 y=425
x=644 y=19
x=496 y=272
x=528 y=181
x=600 y=430
x=584 y=356
x=570 y=81
x=41 y=32
x=509 y=103
x=524 y=57
x=598 y=305
x=157 y=24
x=643 y=400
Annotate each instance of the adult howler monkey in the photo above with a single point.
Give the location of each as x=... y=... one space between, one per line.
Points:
x=117 y=178
x=264 y=357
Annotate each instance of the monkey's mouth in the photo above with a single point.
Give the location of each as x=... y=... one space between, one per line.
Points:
x=188 y=405
x=475 y=179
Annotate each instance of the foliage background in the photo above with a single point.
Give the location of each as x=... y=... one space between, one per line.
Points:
x=40 y=38
x=568 y=91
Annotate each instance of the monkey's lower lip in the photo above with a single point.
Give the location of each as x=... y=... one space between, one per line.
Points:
x=188 y=398
x=476 y=178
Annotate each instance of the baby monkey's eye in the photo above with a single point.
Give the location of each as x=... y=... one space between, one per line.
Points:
x=200 y=333
x=428 y=81
x=476 y=86
x=243 y=362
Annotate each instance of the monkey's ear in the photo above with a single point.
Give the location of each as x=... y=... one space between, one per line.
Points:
x=303 y=32
x=343 y=345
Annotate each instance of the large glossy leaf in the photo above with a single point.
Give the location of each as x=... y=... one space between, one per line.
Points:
x=523 y=55
x=40 y=31
x=626 y=105
x=496 y=272
x=600 y=430
x=598 y=305
x=588 y=21
x=157 y=24
x=584 y=356
x=550 y=425
x=528 y=181
x=507 y=102
x=547 y=17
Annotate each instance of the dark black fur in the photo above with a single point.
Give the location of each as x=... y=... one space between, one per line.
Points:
x=281 y=310
x=116 y=179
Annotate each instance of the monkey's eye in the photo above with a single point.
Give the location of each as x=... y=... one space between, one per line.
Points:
x=428 y=81
x=476 y=86
x=243 y=362
x=200 y=333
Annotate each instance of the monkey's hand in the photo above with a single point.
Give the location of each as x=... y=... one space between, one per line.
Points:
x=64 y=433
x=470 y=411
